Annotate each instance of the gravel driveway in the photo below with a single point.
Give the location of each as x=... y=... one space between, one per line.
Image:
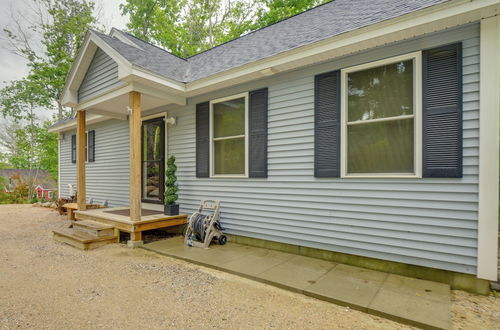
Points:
x=44 y=284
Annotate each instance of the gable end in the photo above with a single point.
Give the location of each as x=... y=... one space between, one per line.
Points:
x=101 y=76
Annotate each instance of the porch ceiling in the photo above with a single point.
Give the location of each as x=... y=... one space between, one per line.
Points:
x=117 y=106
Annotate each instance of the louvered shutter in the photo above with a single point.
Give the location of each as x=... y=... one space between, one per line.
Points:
x=91 y=146
x=258 y=133
x=327 y=125
x=73 y=148
x=202 y=140
x=442 y=112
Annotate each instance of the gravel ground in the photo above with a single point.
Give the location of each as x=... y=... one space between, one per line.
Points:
x=48 y=285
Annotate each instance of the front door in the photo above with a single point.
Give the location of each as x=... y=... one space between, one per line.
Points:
x=153 y=160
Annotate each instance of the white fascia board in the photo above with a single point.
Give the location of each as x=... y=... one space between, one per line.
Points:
x=438 y=17
x=69 y=97
x=489 y=106
x=71 y=124
x=112 y=93
x=135 y=73
x=160 y=94
x=79 y=68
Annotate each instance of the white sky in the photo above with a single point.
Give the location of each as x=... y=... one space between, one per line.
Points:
x=12 y=66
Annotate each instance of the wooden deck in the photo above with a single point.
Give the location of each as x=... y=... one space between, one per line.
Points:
x=125 y=224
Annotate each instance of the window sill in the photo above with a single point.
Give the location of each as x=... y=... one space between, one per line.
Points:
x=221 y=176
x=381 y=176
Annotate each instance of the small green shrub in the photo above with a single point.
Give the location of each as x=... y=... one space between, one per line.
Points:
x=171 y=187
x=34 y=199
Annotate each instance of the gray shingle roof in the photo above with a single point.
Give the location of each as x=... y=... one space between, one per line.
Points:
x=325 y=21
x=150 y=58
x=36 y=177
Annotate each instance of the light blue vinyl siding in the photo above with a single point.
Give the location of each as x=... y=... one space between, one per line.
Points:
x=107 y=177
x=101 y=76
x=428 y=222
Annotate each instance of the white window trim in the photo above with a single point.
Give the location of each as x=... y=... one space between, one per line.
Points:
x=417 y=115
x=212 y=163
x=87 y=147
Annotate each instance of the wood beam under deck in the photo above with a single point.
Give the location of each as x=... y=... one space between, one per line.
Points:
x=80 y=160
x=124 y=223
x=135 y=157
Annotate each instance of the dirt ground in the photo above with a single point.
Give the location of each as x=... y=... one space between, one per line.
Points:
x=49 y=285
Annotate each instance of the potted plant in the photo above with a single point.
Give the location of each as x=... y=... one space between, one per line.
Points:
x=171 y=188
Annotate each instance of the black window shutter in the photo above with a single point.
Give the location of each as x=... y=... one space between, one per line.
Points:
x=442 y=112
x=258 y=133
x=327 y=125
x=91 y=146
x=202 y=140
x=73 y=148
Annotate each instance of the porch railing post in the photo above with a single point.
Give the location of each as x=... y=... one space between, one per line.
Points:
x=135 y=155
x=80 y=161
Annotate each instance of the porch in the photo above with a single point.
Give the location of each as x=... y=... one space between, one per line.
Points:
x=119 y=218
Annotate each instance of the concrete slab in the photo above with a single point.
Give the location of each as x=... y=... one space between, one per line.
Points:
x=348 y=285
x=214 y=256
x=423 y=303
x=408 y=300
x=297 y=273
x=257 y=261
x=167 y=244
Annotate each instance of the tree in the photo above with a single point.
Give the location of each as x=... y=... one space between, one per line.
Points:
x=49 y=44
x=272 y=11
x=187 y=27
x=30 y=146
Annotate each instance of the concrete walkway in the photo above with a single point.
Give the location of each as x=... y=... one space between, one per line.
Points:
x=408 y=300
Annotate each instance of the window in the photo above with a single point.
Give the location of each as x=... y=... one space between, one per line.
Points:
x=89 y=147
x=381 y=126
x=73 y=148
x=228 y=136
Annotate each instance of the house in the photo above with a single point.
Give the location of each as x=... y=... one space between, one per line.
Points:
x=41 y=180
x=363 y=129
x=44 y=192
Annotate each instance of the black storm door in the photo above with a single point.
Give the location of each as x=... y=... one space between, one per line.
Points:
x=153 y=160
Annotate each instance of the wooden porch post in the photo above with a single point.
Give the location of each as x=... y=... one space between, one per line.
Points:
x=80 y=161
x=135 y=155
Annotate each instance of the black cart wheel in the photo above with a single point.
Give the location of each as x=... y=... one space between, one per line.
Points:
x=222 y=239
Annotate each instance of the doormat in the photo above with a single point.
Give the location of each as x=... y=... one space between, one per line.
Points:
x=126 y=212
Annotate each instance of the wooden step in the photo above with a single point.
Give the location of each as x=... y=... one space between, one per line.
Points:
x=82 y=241
x=93 y=228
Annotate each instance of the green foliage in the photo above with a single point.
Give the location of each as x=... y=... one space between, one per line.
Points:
x=21 y=193
x=34 y=199
x=60 y=28
x=187 y=27
x=4 y=197
x=31 y=146
x=171 y=187
x=3 y=162
x=43 y=200
x=272 y=11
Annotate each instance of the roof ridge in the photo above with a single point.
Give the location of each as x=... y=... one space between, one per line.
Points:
x=153 y=45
